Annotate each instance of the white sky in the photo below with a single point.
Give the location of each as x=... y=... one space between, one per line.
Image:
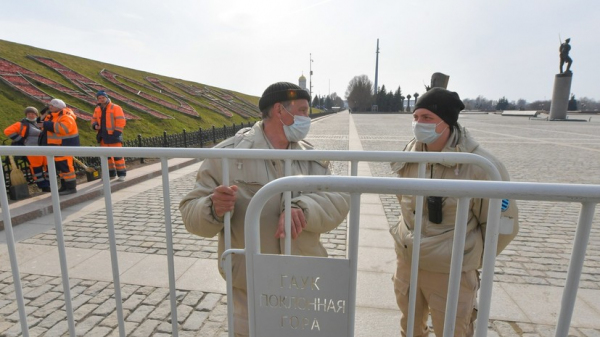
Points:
x=490 y=48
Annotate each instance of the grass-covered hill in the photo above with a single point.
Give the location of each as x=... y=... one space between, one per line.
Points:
x=12 y=101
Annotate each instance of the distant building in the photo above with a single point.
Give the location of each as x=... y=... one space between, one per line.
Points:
x=302 y=82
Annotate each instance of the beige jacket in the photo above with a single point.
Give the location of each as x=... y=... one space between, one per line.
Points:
x=436 y=239
x=324 y=211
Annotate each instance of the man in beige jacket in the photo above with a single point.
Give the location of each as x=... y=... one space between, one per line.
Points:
x=285 y=123
x=436 y=129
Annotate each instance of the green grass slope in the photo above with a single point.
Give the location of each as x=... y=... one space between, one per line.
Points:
x=12 y=102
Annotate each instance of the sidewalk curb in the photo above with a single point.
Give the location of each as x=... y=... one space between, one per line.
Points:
x=86 y=191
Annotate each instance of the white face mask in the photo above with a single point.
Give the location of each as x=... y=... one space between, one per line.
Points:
x=298 y=130
x=425 y=132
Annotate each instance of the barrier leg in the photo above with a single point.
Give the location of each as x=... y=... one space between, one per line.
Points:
x=582 y=237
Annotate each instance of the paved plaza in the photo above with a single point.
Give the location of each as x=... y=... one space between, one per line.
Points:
x=528 y=278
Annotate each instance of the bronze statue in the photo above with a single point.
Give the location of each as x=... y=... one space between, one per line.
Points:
x=564 y=56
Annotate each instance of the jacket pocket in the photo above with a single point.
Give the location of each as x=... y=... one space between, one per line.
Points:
x=112 y=139
x=401 y=285
x=250 y=188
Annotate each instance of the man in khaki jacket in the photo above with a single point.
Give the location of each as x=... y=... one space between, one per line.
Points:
x=285 y=123
x=435 y=128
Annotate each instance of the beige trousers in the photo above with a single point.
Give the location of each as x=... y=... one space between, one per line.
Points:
x=240 y=312
x=432 y=291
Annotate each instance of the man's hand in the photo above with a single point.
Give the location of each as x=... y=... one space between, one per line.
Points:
x=298 y=224
x=223 y=199
x=96 y=127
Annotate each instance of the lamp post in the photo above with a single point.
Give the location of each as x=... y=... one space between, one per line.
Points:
x=310 y=85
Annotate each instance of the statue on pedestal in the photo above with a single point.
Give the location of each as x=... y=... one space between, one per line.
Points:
x=564 y=56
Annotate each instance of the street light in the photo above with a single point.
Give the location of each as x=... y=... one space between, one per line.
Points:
x=310 y=85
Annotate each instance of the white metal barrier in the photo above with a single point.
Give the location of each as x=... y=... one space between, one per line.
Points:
x=587 y=195
x=352 y=156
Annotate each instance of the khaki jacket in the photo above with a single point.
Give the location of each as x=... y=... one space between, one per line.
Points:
x=324 y=211
x=436 y=239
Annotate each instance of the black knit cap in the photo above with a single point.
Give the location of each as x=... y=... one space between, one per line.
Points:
x=444 y=103
x=280 y=92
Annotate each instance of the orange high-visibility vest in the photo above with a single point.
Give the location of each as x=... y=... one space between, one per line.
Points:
x=61 y=128
x=115 y=119
x=18 y=132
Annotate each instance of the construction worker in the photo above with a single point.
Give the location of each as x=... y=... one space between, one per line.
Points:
x=26 y=132
x=60 y=129
x=109 y=122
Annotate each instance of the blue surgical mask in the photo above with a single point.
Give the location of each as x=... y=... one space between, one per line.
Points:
x=298 y=130
x=425 y=132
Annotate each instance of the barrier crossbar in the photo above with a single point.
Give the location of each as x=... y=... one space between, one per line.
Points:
x=224 y=154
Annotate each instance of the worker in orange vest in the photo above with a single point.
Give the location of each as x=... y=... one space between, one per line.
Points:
x=26 y=132
x=109 y=122
x=59 y=128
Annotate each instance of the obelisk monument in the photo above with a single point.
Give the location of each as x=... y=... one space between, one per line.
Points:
x=376 y=67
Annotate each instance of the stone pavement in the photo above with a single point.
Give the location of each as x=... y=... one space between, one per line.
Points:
x=528 y=277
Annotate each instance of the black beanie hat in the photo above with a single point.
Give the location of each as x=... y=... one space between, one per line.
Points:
x=280 y=92
x=444 y=103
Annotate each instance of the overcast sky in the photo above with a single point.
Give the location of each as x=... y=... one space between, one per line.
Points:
x=490 y=48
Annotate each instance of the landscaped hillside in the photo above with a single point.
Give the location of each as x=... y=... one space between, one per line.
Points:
x=31 y=76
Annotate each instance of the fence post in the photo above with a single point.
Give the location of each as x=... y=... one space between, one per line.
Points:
x=139 y=139
x=184 y=138
x=201 y=137
x=224 y=131
x=165 y=142
x=214 y=135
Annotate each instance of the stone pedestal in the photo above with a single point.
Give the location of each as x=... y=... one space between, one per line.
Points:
x=560 y=96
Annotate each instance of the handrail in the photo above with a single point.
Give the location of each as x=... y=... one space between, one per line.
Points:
x=331 y=155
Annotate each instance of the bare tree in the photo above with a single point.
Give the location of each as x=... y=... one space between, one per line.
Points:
x=539 y=105
x=360 y=93
x=589 y=104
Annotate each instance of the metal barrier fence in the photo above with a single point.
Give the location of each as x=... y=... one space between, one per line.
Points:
x=587 y=195
x=198 y=138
